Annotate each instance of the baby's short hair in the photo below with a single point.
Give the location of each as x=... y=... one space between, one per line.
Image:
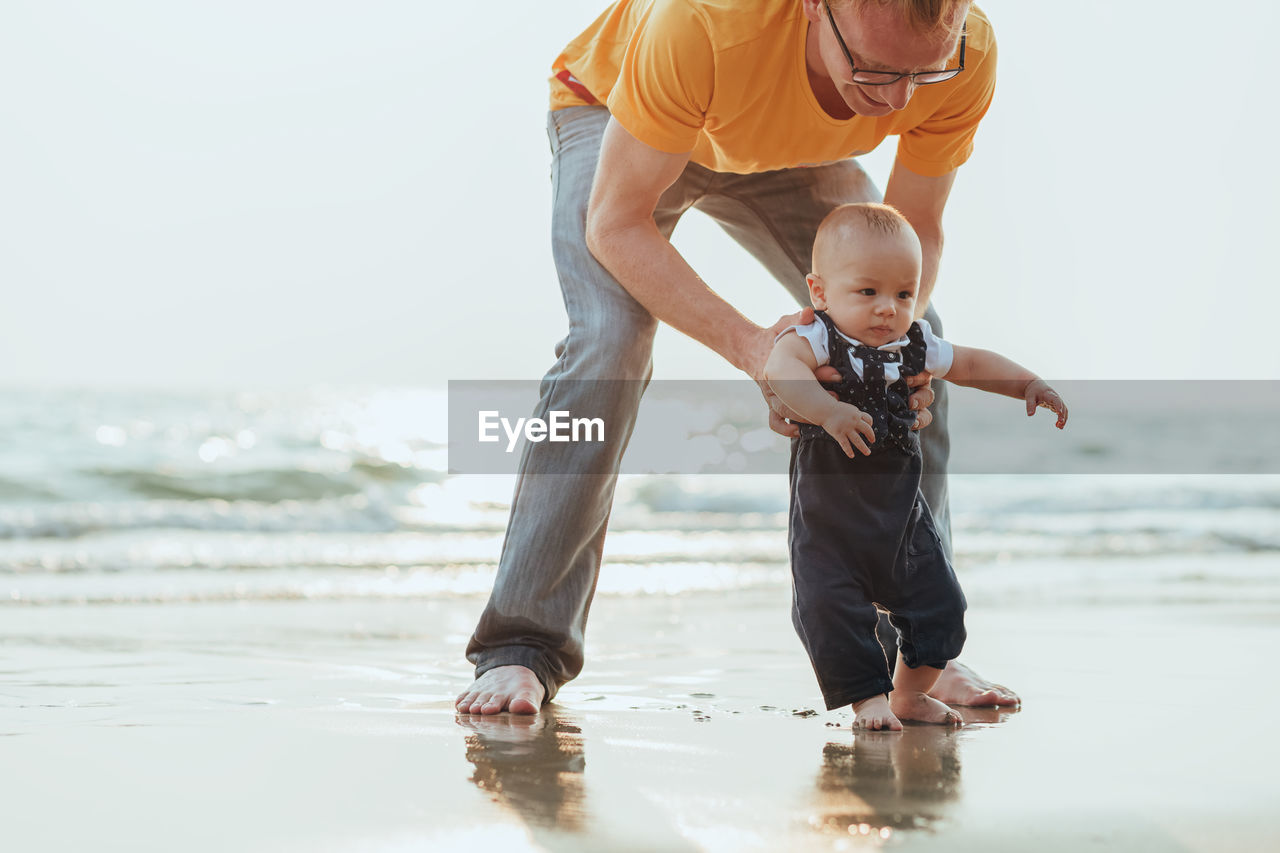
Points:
x=845 y=222
x=883 y=218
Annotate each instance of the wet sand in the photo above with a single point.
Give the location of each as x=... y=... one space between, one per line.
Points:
x=697 y=726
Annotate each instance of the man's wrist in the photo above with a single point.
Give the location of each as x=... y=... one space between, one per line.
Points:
x=745 y=350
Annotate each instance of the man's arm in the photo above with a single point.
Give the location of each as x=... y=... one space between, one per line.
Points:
x=621 y=233
x=922 y=199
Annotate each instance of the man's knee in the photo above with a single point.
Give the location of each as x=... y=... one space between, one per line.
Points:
x=613 y=341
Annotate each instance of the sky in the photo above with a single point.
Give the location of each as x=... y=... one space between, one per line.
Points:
x=287 y=195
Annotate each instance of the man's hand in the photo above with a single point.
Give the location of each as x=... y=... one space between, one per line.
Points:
x=1038 y=393
x=921 y=398
x=779 y=413
x=849 y=425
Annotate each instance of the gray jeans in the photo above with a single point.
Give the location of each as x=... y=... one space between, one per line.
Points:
x=537 y=613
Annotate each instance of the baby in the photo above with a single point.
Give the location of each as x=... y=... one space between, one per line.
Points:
x=861 y=535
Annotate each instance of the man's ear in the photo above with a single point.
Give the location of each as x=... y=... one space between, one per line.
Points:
x=816 y=294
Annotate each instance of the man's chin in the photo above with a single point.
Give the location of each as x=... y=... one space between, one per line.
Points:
x=870 y=109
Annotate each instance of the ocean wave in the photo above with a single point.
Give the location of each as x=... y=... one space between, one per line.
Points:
x=677 y=495
x=310 y=543
x=981 y=494
x=73 y=520
x=390 y=584
x=282 y=484
x=13 y=491
x=1241 y=581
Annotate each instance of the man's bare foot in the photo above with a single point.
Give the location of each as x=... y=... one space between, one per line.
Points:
x=914 y=705
x=874 y=714
x=503 y=688
x=960 y=685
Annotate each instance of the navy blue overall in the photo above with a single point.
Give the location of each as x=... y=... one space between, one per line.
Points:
x=862 y=537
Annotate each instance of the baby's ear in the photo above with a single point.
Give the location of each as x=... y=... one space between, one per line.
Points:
x=816 y=294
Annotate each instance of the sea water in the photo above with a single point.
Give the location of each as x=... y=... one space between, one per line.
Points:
x=149 y=497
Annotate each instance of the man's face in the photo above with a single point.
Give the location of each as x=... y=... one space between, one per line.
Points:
x=879 y=39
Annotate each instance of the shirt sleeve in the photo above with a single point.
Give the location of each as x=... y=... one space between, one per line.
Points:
x=944 y=141
x=665 y=84
x=938 y=354
x=816 y=334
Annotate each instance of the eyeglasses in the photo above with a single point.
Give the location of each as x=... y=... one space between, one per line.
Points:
x=888 y=78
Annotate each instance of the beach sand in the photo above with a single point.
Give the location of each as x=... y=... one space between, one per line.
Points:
x=697 y=725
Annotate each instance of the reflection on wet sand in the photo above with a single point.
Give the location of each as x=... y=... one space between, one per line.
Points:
x=534 y=768
x=885 y=782
x=532 y=765
x=869 y=783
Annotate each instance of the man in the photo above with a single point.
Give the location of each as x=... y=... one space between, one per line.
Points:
x=752 y=113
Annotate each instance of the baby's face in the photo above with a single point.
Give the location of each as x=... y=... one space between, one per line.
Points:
x=868 y=286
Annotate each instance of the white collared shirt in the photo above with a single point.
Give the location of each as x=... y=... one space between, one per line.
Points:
x=938 y=354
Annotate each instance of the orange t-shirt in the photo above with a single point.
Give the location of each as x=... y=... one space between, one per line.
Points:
x=726 y=80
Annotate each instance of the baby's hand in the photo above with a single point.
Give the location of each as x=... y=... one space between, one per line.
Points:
x=848 y=424
x=1038 y=393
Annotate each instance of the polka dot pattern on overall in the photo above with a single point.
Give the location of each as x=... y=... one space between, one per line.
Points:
x=874 y=391
x=886 y=403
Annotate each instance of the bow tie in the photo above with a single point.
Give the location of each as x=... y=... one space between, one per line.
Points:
x=867 y=354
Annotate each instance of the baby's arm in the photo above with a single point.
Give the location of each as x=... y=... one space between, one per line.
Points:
x=992 y=372
x=789 y=372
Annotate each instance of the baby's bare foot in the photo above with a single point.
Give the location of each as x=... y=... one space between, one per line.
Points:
x=914 y=705
x=875 y=715
x=504 y=688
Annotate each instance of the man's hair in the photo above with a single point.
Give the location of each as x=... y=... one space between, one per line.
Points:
x=924 y=16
